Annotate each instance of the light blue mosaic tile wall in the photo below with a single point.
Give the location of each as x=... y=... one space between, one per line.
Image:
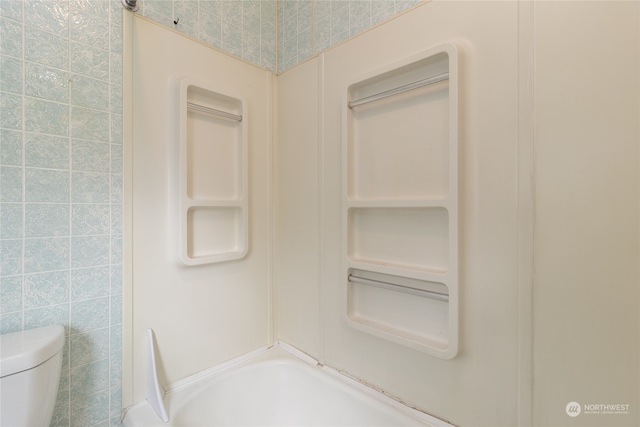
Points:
x=308 y=27
x=244 y=28
x=247 y=28
x=61 y=191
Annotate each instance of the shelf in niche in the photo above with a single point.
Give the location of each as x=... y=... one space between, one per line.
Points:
x=423 y=322
x=400 y=200
x=431 y=202
x=214 y=158
x=215 y=232
x=401 y=272
x=398 y=147
x=363 y=262
x=413 y=238
x=416 y=339
x=213 y=208
x=420 y=280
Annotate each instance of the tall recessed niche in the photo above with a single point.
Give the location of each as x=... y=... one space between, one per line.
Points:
x=400 y=202
x=213 y=202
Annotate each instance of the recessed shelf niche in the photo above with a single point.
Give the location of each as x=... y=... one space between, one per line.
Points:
x=213 y=211
x=400 y=202
x=409 y=238
x=422 y=321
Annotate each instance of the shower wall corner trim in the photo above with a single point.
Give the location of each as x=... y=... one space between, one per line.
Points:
x=212 y=174
x=400 y=202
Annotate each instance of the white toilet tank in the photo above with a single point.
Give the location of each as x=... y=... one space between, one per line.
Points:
x=30 y=365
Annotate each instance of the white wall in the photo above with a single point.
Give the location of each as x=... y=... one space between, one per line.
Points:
x=479 y=386
x=585 y=153
x=549 y=90
x=201 y=315
x=297 y=180
x=587 y=186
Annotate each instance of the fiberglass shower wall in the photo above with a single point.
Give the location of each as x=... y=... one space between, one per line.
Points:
x=385 y=208
x=200 y=210
x=571 y=66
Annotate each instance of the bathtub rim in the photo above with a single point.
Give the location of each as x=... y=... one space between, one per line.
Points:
x=281 y=350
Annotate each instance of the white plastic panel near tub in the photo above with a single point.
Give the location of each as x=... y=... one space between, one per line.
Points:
x=213 y=175
x=400 y=202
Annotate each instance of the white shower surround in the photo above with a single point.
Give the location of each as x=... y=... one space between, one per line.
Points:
x=504 y=71
x=298 y=295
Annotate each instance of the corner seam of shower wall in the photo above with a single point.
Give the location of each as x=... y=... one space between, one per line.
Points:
x=274 y=224
x=272 y=99
x=321 y=204
x=526 y=205
x=127 y=258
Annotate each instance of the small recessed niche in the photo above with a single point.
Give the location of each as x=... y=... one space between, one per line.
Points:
x=213 y=208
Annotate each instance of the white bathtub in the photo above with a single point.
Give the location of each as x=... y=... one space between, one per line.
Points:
x=277 y=387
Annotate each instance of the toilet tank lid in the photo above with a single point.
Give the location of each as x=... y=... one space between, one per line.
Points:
x=24 y=350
